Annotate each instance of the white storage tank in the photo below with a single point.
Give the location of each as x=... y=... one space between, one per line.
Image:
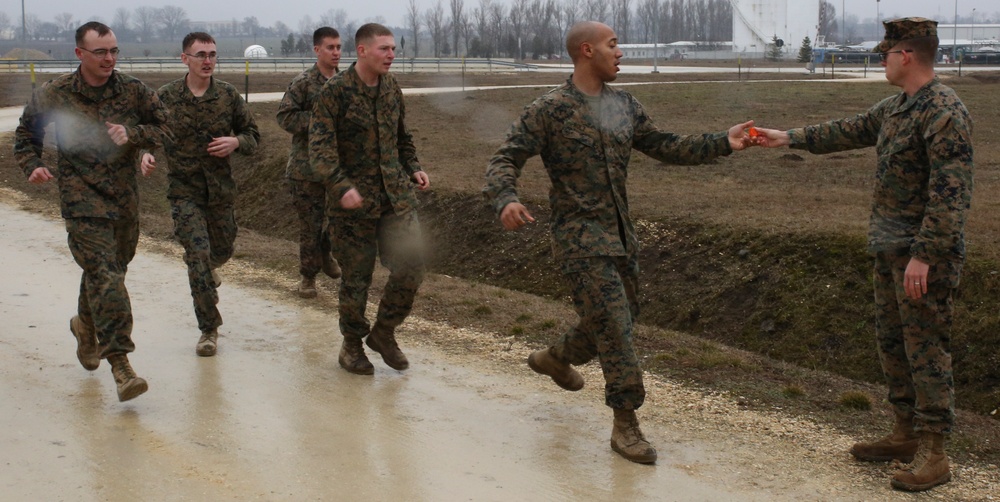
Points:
x=757 y=22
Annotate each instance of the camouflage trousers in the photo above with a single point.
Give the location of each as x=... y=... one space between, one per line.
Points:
x=914 y=342
x=103 y=248
x=309 y=200
x=399 y=245
x=604 y=291
x=207 y=234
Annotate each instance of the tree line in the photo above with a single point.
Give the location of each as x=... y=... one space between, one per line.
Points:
x=484 y=28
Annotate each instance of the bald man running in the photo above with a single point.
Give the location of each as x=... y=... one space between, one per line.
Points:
x=585 y=131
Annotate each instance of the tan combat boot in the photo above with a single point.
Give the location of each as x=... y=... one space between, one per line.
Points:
x=207 y=344
x=382 y=340
x=216 y=278
x=900 y=445
x=564 y=375
x=86 y=344
x=929 y=467
x=353 y=359
x=129 y=385
x=627 y=439
x=307 y=288
x=330 y=266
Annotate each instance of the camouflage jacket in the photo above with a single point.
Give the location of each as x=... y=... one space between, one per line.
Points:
x=587 y=159
x=96 y=177
x=923 y=181
x=358 y=139
x=194 y=174
x=294 y=113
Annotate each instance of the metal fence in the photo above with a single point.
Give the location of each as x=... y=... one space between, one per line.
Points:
x=132 y=65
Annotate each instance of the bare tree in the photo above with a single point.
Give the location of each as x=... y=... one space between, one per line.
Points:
x=518 y=23
x=457 y=21
x=122 y=19
x=145 y=21
x=435 y=23
x=621 y=11
x=306 y=26
x=497 y=16
x=481 y=26
x=336 y=18
x=414 y=20
x=281 y=29
x=64 y=20
x=4 y=22
x=828 y=25
x=173 y=21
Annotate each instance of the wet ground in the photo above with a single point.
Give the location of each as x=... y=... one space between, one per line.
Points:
x=273 y=417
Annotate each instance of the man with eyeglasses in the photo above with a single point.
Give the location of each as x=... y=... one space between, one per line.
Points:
x=101 y=120
x=923 y=190
x=210 y=121
x=304 y=184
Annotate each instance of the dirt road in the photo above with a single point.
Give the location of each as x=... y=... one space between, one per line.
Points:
x=273 y=417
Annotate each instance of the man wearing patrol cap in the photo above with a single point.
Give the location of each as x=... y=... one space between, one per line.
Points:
x=923 y=190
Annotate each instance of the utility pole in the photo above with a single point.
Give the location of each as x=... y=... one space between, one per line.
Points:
x=24 y=33
x=656 y=33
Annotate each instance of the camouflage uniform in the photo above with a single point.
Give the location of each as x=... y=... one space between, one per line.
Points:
x=585 y=145
x=306 y=188
x=357 y=139
x=923 y=189
x=97 y=185
x=201 y=189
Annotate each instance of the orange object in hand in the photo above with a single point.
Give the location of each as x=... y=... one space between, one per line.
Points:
x=753 y=132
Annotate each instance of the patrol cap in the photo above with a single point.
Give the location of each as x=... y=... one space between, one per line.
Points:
x=906 y=28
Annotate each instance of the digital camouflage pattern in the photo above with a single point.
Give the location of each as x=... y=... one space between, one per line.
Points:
x=914 y=342
x=97 y=185
x=585 y=145
x=202 y=190
x=923 y=181
x=358 y=139
x=96 y=177
x=207 y=234
x=604 y=296
x=294 y=114
x=397 y=241
x=586 y=154
x=193 y=174
x=309 y=200
x=103 y=248
x=306 y=188
x=907 y=28
x=923 y=190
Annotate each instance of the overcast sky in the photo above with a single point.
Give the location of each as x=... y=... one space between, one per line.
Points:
x=394 y=11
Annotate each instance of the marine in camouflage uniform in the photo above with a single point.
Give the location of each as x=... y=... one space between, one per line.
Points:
x=359 y=140
x=201 y=189
x=923 y=190
x=97 y=187
x=305 y=186
x=585 y=141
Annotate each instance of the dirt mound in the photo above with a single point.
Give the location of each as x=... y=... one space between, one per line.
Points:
x=26 y=54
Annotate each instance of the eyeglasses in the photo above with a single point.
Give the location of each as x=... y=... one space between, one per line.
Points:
x=101 y=53
x=884 y=56
x=201 y=56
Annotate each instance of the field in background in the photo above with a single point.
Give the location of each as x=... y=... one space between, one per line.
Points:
x=762 y=251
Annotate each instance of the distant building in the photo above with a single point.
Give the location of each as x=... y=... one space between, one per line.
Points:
x=756 y=23
x=255 y=52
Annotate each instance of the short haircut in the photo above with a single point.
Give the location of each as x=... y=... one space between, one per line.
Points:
x=324 y=32
x=369 y=31
x=101 y=29
x=924 y=48
x=196 y=36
